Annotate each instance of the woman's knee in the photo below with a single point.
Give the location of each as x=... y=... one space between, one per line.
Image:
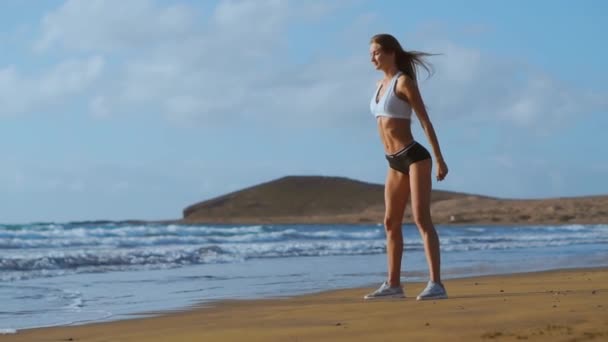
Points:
x=422 y=219
x=392 y=225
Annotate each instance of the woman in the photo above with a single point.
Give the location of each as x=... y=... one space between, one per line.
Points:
x=410 y=164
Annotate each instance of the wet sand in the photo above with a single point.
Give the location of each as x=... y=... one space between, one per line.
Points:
x=565 y=305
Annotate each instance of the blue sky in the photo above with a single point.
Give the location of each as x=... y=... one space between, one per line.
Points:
x=136 y=109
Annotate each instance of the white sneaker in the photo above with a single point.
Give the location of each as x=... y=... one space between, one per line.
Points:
x=386 y=291
x=433 y=290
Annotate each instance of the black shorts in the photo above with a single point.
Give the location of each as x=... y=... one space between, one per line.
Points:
x=410 y=154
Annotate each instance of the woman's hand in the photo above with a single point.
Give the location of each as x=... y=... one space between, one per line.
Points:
x=442 y=169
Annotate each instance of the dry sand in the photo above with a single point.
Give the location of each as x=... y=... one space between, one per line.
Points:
x=567 y=305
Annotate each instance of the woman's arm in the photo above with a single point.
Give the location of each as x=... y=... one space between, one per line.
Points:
x=409 y=89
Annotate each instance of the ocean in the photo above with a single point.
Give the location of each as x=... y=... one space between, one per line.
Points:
x=73 y=273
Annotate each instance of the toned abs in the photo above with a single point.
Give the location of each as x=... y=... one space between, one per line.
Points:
x=394 y=133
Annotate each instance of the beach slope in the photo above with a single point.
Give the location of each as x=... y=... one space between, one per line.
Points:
x=566 y=305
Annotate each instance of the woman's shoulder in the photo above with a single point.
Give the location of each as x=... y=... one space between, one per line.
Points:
x=406 y=82
x=404 y=78
x=405 y=87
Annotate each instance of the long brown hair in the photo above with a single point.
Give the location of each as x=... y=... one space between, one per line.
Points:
x=406 y=61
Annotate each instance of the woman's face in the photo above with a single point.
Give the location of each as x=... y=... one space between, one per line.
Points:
x=380 y=58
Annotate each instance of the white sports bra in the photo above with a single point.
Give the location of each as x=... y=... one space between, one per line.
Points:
x=390 y=105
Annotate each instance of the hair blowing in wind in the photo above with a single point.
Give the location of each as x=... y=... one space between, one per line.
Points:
x=406 y=61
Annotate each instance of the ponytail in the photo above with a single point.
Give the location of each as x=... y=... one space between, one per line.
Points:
x=408 y=61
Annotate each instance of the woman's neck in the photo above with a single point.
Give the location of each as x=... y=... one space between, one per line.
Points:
x=391 y=72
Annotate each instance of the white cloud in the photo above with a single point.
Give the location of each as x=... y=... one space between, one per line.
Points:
x=101 y=25
x=231 y=66
x=69 y=77
x=20 y=93
x=234 y=64
x=471 y=84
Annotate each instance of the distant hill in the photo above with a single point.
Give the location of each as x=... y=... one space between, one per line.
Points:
x=296 y=199
x=317 y=199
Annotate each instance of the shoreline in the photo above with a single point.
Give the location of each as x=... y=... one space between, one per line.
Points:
x=368 y=223
x=316 y=221
x=337 y=314
x=329 y=220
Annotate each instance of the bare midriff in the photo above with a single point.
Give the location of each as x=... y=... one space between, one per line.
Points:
x=394 y=133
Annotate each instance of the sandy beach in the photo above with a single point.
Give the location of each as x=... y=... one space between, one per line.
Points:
x=565 y=305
